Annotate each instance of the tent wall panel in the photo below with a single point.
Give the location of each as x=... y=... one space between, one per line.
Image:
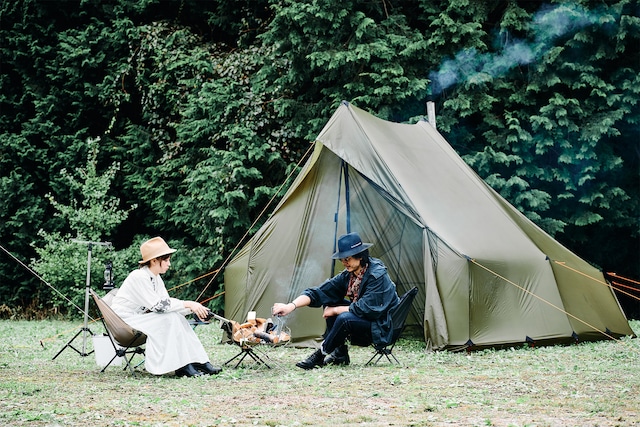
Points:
x=453 y=282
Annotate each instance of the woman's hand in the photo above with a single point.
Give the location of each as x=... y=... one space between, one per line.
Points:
x=198 y=309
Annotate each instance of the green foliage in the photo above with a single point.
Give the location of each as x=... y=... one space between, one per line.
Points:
x=92 y=215
x=97 y=214
x=332 y=51
x=555 y=109
x=54 y=57
x=207 y=106
x=232 y=128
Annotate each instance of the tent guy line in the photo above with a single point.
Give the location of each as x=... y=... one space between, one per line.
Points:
x=630 y=284
x=42 y=341
x=42 y=280
x=555 y=306
x=595 y=280
x=618 y=287
x=193 y=280
x=635 y=282
x=233 y=251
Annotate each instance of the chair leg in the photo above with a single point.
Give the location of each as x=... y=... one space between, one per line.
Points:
x=394 y=358
x=384 y=352
x=370 y=360
x=128 y=364
x=123 y=351
x=108 y=364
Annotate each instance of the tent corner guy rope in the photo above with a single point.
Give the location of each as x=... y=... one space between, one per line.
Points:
x=618 y=287
x=626 y=279
x=630 y=284
x=193 y=280
x=564 y=264
x=553 y=305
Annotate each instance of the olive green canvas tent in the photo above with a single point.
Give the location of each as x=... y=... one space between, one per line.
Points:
x=487 y=275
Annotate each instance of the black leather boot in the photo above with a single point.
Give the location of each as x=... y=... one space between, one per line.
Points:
x=339 y=356
x=316 y=359
x=207 y=368
x=188 y=371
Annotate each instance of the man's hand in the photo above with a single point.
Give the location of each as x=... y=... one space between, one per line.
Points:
x=280 y=309
x=334 y=311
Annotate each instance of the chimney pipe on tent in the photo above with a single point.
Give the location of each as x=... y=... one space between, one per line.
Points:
x=431 y=113
x=431 y=108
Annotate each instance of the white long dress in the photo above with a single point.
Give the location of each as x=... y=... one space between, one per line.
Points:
x=144 y=303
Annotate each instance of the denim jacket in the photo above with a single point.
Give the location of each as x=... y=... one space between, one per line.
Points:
x=376 y=298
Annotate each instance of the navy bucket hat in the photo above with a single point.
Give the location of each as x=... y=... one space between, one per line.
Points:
x=349 y=245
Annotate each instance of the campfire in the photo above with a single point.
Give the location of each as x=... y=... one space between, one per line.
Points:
x=256 y=331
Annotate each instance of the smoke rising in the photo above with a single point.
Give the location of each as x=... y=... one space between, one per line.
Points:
x=547 y=25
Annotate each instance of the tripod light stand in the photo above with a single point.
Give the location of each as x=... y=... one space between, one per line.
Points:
x=85 y=329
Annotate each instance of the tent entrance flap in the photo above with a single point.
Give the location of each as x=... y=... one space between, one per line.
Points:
x=344 y=174
x=347 y=195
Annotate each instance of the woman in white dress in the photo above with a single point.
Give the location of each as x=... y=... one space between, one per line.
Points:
x=144 y=303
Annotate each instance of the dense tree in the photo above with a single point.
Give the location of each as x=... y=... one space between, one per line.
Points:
x=207 y=106
x=360 y=51
x=550 y=119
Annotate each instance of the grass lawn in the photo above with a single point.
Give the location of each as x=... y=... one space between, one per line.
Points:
x=589 y=384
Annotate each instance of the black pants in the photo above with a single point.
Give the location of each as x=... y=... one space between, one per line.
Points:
x=346 y=326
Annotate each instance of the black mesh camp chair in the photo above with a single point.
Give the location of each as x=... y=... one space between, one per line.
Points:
x=399 y=317
x=127 y=341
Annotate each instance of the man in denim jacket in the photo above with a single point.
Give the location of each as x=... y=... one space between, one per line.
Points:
x=356 y=304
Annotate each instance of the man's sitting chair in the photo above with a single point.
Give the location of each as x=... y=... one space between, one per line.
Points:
x=399 y=316
x=126 y=340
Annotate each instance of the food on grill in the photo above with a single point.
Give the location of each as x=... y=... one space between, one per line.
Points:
x=258 y=331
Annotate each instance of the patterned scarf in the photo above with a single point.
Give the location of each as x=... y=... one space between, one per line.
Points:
x=353 y=291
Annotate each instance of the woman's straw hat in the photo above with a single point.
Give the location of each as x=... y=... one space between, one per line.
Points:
x=154 y=248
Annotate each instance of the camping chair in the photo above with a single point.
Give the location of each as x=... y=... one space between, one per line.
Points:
x=398 y=318
x=125 y=339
